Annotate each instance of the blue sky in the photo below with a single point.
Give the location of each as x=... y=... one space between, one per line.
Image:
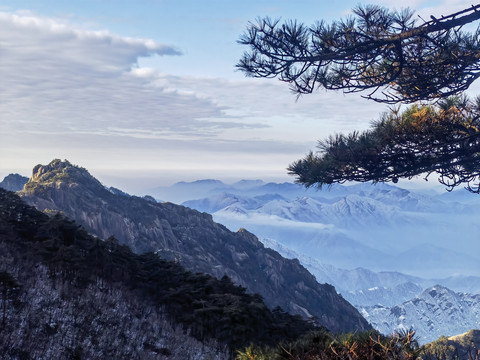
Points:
x=144 y=93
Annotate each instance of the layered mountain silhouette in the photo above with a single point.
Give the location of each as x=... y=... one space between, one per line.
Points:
x=190 y=238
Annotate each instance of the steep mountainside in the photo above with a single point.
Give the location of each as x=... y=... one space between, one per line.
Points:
x=191 y=238
x=68 y=295
x=13 y=182
x=437 y=311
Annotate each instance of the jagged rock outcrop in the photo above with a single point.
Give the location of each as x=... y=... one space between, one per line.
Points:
x=190 y=237
x=13 y=182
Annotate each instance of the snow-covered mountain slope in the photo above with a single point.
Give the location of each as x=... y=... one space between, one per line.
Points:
x=392 y=301
x=386 y=296
x=349 y=211
x=364 y=287
x=360 y=287
x=402 y=198
x=380 y=246
x=435 y=312
x=221 y=201
x=381 y=227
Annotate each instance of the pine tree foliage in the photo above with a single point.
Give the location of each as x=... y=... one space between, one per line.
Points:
x=395 y=60
x=424 y=139
x=326 y=346
x=376 y=50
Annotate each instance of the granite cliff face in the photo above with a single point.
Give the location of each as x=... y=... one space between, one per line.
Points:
x=191 y=238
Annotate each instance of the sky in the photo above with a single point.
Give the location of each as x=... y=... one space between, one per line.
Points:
x=145 y=93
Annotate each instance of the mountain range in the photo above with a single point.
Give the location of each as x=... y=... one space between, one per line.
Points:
x=66 y=294
x=431 y=313
x=380 y=246
x=355 y=237
x=191 y=238
x=381 y=227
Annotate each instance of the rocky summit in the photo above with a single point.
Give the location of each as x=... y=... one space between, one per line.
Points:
x=191 y=238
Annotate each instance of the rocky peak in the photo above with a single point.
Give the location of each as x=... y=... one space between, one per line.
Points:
x=58 y=171
x=62 y=175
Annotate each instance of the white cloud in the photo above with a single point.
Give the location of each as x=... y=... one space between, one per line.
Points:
x=56 y=78
x=271 y=100
x=80 y=94
x=53 y=40
x=59 y=79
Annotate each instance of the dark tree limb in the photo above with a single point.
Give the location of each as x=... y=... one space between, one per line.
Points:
x=376 y=49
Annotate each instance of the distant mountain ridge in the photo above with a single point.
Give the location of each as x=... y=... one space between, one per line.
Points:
x=348 y=231
x=190 y=237
x=13 y=182
x=436 y=311
x=384 y=227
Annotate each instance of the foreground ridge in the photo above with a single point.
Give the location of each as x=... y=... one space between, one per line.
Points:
x=66 y=292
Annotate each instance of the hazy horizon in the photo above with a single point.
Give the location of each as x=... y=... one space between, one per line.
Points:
x=140 y=182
